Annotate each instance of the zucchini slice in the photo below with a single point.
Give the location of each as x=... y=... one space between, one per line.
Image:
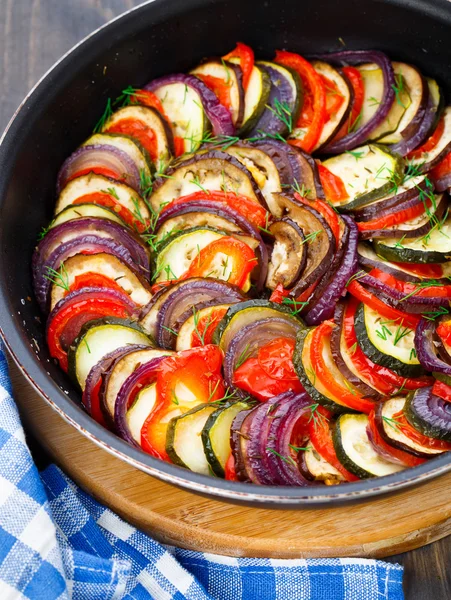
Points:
x=373 y=93
x=231 y=76
x=140 y=410
x=411 y=89
x=368 y=173
x=98 y=184
x=354 y=449
x=184 y=439
x=336 y=120
x=434 y=247
x=183 y=106
x=387 y=343
x=306 y=373
x=402 y=110
x=185 y=334
x=98 y=338
x=391 y=408
x=122 y=369
x=320 y=468
x=107 y=265
x=181 y=249
x=214 y=170
x=129 y=146
x=255 y=97
x=250 y=311
x=78 y=211
x=193 y=220
x=149 y=118
x=216 y=435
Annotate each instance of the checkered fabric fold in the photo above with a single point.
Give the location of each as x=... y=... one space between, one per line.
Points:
x=56 y=542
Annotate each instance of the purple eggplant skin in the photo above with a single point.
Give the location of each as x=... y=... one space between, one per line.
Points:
x=235 y=445
x=280 y=94
x=325 y=301
x=146 y=370
x=320 y=252
x=293 y=165
x=254 y=440
x=352 y=57
x=288 y=234
x=429 y=414
x=218 y=115
x=102 y=153
x=335 y=346
x=426 y=349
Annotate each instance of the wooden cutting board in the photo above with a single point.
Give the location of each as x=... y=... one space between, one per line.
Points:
x=379 y=528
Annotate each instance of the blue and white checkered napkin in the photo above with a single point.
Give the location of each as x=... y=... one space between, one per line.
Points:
x=58 y=542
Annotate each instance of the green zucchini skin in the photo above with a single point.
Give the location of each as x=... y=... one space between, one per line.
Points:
x=236 y=308
x=408 y=255
x=442 y=377
x=260 y=107
x=232 y=407
x=343 y=457
x=420 y=424
x=376 y=355
x=301 y=372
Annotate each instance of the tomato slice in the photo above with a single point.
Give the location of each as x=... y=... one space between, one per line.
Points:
x=334 y=188
x=67 y=322
x=148 y=98
x=430 y=143
x=444 y=331
x=185 y=380
x=353 y=399
x=368 y=298
x=276 y=359
x=249 y=209
x=404 y=457
x=279 y=294
x=381 y=378
x=321 y=437
x=96 y=410
x=411 y=289
x=334 y=98
x=313 y=113
x=206 y=327
x=99 y=170
x=326 y=211
x=431 y=271
x=230 y=472
x=92 y=279
x=395 y=218
x=245 y=54
x=225 y=255
x=442 y=390
x=251 y=378
x=414 y=435
x=179 y=146
x=219 y=87
x=355 y=79
x=138 y=130
x=108 y=201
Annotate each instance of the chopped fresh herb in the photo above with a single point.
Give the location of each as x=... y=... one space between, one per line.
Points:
x=175 y=400
x=104 y=118
x=196 y=181
x=87 y=345
x=356 y=154
x=383 y=333
x=400 y=333
x=374 y=101
x=111 y=191
x=298 y=448
x=44 y=231
x=393 y=423
x=398 y=88
x=59 y=278
x=145 y=183
x=170 y=330
x=282 y=111
x=413 y=354
x=244 y=355
x=296 y=305
x=311 y=236
x=288 y=459
x=431 y=315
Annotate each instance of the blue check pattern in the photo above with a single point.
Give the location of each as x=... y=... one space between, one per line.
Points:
x=56 y=542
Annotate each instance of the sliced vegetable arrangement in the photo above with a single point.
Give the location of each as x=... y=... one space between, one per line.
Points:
x=229 y=303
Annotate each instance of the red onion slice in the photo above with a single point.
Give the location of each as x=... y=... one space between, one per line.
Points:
x=100 y=155
x=426 y=349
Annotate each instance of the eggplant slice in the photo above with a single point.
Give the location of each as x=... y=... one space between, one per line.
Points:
x=288 y=256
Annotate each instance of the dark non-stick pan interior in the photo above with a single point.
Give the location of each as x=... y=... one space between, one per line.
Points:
x=161 y=37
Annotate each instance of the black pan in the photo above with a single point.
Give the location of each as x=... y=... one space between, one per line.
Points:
x=160 y=37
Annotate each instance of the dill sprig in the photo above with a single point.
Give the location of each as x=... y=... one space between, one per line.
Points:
x=243 y=356
x=59 y=278
x=107 y=113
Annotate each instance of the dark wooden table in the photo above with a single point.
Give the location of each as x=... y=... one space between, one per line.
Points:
x=35 y=33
